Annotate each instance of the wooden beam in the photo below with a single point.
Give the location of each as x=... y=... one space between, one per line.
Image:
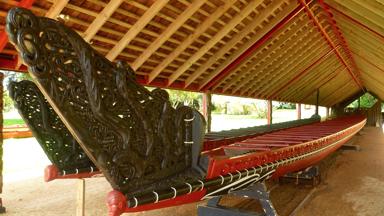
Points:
x=136 y=28
x=300 y=74
x=267 y=33
x=100 y=19
x=353 y=20
x=257 y=21
x=197 y=33
x=309 y=81
x=56 y=8
x=285 y=68
x=300 y=28
x=322 y=83
x=277 y=58
x=330 y=42
x=238 y=18
x=167 y=33
x=340 y=36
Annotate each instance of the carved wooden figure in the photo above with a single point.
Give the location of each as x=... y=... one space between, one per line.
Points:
x=57 y=142
x=133 y=135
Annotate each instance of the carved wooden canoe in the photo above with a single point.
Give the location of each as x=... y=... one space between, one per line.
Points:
x=150 y=152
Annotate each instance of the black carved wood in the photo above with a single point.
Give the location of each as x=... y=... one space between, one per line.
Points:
x=48 y=129
x=133 y=135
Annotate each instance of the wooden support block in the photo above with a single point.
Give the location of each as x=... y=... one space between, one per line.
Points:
x=80 y=203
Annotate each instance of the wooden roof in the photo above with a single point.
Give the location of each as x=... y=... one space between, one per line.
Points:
x=270 y=49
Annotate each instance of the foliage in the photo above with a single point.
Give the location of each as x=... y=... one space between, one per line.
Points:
x=186 y=98
x=261 y=109
x=9 y=122
x=285 y=105
x=366 y=101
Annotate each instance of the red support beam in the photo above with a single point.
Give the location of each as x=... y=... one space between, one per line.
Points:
x=10 y=64
x=3 y=34
x=226 y=71
x=339 y=35
x=356 y=22
x=328 y=39
x=299 y=75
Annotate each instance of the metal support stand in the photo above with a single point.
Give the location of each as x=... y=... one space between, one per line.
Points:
x=257 y=191
x=311 y=174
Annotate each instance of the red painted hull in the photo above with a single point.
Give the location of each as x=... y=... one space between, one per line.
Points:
x=313 y=143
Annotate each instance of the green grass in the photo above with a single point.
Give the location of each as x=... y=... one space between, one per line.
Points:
x=10 y=122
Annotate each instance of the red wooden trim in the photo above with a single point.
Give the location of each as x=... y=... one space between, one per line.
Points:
x=299 y=75
x=339 y=35
x=51 y=172
x=10 y=64
x=3 y=40
x=329 y=41
x=226 y=71
x=3 y=34
x=356 y=21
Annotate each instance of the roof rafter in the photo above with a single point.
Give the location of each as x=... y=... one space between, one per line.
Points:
x=136 y=28
x=56 y=8
x=198 y=31
x=238 y=37
x=220 y=74
x=299 y=75
x=353 y=20
x=238 y=18
x=100 y=19
x=298 y=28
x=322 y=82
x=167 y=33
x=284 y=64
x=330 y=42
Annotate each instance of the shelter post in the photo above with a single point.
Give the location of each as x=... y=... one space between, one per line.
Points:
x=269 y=111
x=207 y=109
x=2 y=209
x=298 y=110
x=317 y=102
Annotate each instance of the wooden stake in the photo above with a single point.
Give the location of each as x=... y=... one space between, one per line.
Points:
x=80 y=198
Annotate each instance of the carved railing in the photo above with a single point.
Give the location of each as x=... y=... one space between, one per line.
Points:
x=133 y=135
x=56 y=141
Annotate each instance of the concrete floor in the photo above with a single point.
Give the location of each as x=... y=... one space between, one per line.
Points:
x=353 y=184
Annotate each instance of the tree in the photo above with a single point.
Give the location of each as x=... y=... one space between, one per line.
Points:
x=366 y=101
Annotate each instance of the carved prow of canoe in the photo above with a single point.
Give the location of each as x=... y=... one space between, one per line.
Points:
x=135 y=137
